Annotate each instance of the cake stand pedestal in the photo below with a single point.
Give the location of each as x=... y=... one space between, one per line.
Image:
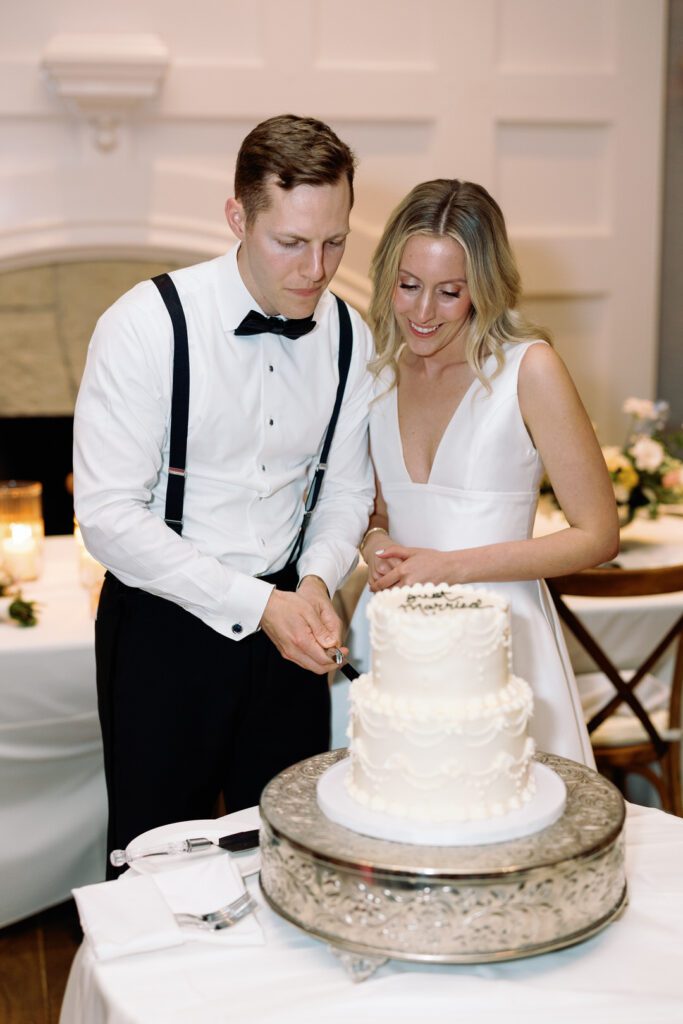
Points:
x=372 y=899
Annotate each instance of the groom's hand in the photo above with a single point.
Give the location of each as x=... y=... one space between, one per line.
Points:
x=304 y=625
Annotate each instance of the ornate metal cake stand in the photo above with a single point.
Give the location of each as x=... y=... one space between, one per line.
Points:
x=372 y=900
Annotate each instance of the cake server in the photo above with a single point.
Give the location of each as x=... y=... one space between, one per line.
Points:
x=234 y=843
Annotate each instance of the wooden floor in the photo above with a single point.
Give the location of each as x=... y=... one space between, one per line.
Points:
x=35 y=957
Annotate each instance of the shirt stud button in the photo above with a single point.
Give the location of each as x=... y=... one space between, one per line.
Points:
x=263 y=468
x=237 y=628
x=270 y=367
x=271 y=422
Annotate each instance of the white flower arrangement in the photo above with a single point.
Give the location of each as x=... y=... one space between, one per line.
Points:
x=644 y=472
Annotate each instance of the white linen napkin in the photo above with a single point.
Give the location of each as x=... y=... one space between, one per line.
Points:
x=119 y=920
x=198 y=887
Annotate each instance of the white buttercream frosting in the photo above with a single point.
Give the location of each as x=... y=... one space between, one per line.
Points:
x=438 y=728
x=455 y=640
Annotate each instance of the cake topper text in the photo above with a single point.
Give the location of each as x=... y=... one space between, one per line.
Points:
x=439 y=601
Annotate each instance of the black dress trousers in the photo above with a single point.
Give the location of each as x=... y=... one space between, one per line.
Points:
x=187 y=713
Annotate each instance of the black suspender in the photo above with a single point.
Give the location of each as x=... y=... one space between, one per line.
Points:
x=345 y=345
x=180 y=402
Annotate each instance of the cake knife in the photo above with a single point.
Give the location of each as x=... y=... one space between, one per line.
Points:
x=337 y=657
x=234 y=843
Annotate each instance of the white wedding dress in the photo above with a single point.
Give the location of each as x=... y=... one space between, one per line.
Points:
x=483 y=489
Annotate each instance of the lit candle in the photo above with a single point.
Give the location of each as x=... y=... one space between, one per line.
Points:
x=20 y=552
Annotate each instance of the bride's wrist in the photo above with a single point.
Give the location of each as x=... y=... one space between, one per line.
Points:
x=373 y=540
x=458 y=569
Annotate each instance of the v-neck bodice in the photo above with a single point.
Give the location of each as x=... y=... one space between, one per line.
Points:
x=442 y=439
x=483 y=484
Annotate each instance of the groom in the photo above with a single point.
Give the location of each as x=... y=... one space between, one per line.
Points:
x=202 y=415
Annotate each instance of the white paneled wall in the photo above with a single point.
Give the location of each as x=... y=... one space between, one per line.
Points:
x=554 y=105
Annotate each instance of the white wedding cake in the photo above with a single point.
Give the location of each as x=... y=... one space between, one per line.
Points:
x=438 y=727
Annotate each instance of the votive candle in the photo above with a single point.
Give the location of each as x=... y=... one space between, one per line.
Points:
x=20 y=555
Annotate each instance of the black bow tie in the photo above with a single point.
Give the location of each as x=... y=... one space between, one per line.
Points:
x=256 y=323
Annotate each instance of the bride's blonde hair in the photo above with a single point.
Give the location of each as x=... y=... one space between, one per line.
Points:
x=466 y=213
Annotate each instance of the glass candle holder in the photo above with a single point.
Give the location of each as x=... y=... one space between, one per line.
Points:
x=21 y=528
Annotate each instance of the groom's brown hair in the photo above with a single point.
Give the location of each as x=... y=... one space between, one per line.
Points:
x=290 y=151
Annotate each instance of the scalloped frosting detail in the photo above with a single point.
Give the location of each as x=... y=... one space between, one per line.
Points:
x=452 y=793
x=515 y=697
x=461 y=643
x=424 y=623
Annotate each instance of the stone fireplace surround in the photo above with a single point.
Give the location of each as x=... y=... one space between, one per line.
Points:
x=47 y=315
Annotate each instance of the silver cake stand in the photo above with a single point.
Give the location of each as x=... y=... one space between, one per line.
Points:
x=371 y=899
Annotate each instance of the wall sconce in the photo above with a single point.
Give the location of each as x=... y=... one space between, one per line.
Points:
x=103 y=77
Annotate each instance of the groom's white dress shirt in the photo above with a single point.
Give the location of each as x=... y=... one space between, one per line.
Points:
x=259 y=408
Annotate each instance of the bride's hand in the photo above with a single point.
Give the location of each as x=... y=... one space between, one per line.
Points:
x=379 y=566
x=411 y=565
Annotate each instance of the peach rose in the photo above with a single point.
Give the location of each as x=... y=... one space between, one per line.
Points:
x=673 y=479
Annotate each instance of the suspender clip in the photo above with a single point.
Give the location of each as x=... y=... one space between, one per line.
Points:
x=174 y=471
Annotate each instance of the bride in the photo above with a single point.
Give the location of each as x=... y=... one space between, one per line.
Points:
x=472 y=403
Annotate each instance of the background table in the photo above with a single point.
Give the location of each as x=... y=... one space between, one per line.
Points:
x=627 y=627
x=52 y=797
x=629 y=973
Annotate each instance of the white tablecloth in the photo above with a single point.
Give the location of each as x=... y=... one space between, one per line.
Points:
x=52 y=796
x=628 y=974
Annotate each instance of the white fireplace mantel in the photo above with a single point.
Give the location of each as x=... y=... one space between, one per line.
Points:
x=103 y=77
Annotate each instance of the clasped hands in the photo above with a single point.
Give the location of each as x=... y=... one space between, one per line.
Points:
x=304 y=626
x=394 y=565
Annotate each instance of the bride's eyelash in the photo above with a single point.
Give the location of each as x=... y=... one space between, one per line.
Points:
x=412 y=287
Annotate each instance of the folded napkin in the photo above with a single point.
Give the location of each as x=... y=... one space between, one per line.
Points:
x=198 y=887
x=118 y=920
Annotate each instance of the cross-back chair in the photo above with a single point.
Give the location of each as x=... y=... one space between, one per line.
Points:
x=651 y=739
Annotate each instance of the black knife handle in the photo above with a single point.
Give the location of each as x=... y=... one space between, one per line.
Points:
x=239 y=841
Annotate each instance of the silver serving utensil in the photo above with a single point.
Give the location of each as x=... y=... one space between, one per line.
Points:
x=224 y=917
x=234 y=843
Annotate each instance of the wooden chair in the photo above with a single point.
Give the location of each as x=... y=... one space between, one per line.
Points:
x=651 y=740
